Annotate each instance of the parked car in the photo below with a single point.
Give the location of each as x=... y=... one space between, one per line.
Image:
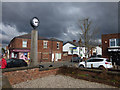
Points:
x=15 y=63
x=100 y=63
x=76 y=59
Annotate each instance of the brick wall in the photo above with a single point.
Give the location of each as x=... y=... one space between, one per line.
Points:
x=66 y=57
x=15 y=77
x=17 y=43
x=44 y=54
x=105 y=43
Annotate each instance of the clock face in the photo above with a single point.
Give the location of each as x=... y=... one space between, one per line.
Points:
x=35 y=22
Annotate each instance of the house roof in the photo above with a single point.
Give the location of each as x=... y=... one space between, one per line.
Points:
x=28 y=36
x=54 y=39
x=73 y=43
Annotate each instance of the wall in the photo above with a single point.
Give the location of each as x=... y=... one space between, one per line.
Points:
x=66 y=47
x=17 y=43
x=44 y=54
x=80 y=51
x=15 y=77
x=105 y=43
x=99 y=50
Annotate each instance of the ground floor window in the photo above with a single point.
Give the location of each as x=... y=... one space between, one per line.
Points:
x=58 y=56
x=12 y=55
x=115 y=58
x=23 y=55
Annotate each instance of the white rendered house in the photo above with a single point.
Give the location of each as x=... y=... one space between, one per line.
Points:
x=73 y=48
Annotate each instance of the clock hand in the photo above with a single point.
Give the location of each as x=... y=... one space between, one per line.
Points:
x=36 y=22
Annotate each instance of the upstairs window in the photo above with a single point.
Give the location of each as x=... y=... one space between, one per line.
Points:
x=57 y=45
x=117 y=42
x=114 y=42
x=24 y=43
x=45 y=44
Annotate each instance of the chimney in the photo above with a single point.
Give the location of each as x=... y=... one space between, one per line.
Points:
x=99 y=45
x=74 y=41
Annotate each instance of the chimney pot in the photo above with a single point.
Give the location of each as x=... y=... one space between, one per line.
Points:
x=74 y=40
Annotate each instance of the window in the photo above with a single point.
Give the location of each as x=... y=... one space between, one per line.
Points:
x=97 y=60
x=57 y=45
x=117 y=42
x=114 y=42
x=59 y=55
x=90 y=60
x=12 y=55
x=45 y=44
x=24 y=44
x=108 y=60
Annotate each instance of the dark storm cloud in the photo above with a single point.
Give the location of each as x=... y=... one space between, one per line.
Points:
x=56 y=18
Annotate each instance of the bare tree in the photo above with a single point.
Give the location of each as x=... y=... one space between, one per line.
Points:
x=87 y=34
x=3 y=51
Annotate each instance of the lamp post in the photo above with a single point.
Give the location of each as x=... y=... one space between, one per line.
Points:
x=34 y=42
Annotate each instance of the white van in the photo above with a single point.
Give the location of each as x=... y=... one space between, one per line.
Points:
x=96 y=63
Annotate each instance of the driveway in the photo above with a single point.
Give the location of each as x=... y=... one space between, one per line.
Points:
x=60 y=81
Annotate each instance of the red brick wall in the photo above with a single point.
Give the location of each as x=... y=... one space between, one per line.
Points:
x=44 y=54
x=67 y=58
x=17 y=43
x=105 y=43
x=15 y=77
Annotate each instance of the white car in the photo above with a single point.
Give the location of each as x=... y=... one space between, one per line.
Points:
x=96 y=63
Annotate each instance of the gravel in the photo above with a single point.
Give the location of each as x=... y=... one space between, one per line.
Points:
x=59 y=81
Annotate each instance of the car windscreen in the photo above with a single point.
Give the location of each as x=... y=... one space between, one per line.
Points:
x=9 y=60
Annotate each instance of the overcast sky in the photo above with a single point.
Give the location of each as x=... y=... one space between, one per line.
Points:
x=59 y=20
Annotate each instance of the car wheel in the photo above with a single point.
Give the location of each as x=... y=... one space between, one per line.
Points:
x=101 y=67
x=81 y=66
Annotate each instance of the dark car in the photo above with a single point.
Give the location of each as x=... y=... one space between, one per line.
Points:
x=76 y=59
x=16 y=63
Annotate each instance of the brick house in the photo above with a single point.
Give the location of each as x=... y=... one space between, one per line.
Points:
x=111 y=47
x=48 y=49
